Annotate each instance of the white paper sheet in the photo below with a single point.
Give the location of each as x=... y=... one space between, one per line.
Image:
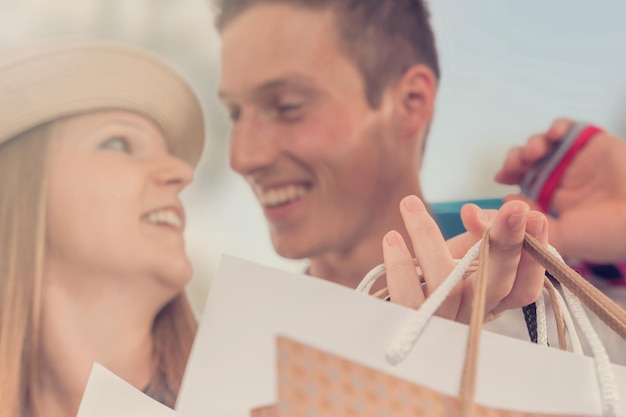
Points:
x=107 y=395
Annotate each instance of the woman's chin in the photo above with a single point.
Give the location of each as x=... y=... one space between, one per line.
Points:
x=175 y=274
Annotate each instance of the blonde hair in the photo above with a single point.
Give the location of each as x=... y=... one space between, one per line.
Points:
x=23 y=200
x=22 y=229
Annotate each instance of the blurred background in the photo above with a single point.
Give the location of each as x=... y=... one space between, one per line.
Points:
x=509 y=67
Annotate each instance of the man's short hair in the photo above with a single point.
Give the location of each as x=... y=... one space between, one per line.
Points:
x=384 y=38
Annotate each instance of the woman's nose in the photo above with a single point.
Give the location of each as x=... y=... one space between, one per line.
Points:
x=172 y=170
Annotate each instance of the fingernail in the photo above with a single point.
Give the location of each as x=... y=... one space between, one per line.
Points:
x=516 y=221
x=412 y=203
x=393 y=238
x=535 y=225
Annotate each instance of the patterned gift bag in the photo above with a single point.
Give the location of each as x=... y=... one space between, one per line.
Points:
x=316 y=383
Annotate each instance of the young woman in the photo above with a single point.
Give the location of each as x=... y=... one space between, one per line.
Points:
x=96 y=142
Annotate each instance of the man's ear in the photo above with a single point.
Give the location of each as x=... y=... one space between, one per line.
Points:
x=414 y=101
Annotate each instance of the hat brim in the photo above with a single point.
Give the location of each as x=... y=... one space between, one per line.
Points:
x=44 y=81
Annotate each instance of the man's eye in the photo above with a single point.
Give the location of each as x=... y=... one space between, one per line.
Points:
x=234 y=111
x=234 y=115
x=117 y=144
x=290 y=109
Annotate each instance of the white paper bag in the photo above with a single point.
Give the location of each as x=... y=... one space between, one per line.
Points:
x=232 y=368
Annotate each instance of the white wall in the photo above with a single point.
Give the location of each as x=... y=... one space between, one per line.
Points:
x=509 y=67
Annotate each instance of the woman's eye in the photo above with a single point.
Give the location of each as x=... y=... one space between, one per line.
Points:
x=117 y=144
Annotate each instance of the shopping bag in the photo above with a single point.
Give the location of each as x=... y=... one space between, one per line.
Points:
x=313 y=382
x=232 y=369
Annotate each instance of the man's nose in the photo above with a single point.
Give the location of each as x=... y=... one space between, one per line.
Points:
x=253 y=144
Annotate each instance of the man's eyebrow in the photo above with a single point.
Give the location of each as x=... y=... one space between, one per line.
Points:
x=292 y=80
x=297 y=81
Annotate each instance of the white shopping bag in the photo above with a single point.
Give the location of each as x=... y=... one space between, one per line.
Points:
x=232 y=368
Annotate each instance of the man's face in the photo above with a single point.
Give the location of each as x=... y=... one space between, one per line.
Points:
x=319 y=159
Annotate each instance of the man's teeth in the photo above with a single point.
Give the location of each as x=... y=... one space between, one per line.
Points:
x=282 y=195
x=167 y=217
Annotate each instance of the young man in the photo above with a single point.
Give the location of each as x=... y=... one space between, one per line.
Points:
x=331 y=101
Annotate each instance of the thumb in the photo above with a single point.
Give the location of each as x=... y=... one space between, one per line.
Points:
x=476 y=221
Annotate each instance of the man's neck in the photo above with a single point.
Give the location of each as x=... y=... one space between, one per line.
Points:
x=350 y=266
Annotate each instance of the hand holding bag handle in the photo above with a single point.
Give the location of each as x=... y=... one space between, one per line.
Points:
x=562 y=317
x=604 y=307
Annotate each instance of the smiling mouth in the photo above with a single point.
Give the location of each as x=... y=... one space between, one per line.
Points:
x=279 y=196
x=165 y=217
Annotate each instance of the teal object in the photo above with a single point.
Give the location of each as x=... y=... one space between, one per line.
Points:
x=447 y=215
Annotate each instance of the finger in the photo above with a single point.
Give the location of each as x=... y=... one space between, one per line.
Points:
x=506 y=236
x=513 y=168
x=520 y=159
x=559 y=129
x=476 y=221
x=430 y=250
x=537 y=147
x=402 y=280
x=530 y=275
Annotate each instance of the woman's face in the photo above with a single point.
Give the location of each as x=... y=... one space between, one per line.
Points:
x=113 y=204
